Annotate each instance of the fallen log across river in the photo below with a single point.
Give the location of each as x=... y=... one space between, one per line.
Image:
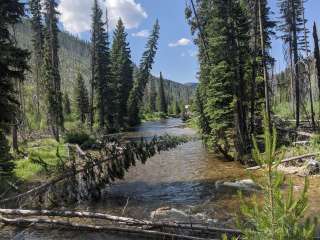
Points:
x=125 y=224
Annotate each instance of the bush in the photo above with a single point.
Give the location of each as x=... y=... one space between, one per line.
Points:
x=280 y=215
x=76 y=137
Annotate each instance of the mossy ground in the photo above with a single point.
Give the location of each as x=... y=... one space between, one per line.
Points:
x=48 y=150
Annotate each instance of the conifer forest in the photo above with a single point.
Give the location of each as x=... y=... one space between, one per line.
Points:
x=111 y=128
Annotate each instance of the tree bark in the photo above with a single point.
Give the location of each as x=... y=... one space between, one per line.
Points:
x=295 y=61
x=265 y=69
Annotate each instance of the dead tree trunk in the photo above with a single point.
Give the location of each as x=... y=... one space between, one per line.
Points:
x=264 y=62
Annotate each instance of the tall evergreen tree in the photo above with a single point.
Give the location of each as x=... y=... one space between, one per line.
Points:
x=13 y=63
x=38 y=44
x=82 y=98
x=51 y=70
x=66 y=104
x=102 y=88
x=222 y=94
x=122 y=71
x=140 y=83
x=162 y=102
x=316 y=52
x=152 y=97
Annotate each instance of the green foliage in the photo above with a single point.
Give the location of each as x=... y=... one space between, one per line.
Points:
x=101 y=74
x=283 y=110
x=122 y=72
x=42 y=159
x=280 y=215
x=6 y=164
x=66 y=104
x=13 y=63
x=136 y=94
x=51 y=70
x=153 y=116
x=13 y=60
x=81 y=98
x=162 y=102
x=76 y=137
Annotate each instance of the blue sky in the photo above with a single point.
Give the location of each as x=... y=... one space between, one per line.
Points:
x=176 y=57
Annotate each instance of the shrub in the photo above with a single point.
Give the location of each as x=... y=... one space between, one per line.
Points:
x=76 y=137
x=280 y=215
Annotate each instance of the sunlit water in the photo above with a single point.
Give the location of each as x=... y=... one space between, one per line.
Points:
x=184 y=178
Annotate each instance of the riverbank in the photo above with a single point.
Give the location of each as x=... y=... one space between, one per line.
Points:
x=186 y=181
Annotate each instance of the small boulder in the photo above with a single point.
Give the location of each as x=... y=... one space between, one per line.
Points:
x=245 y=184
x=312 y=167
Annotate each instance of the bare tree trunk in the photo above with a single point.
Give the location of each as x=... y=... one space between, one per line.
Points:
x=265 y=70
x=308 y=68
x=254 y=73
x=295 y=61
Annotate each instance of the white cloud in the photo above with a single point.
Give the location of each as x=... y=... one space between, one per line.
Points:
x=180 y=42
x=76 y=14
x=143 y=33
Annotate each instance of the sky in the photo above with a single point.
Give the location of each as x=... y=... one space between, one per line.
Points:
x=177 y=55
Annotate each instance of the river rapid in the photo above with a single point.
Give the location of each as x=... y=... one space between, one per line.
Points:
x=184 y=179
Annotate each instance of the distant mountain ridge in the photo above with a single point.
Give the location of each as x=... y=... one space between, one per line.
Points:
x=75 y=56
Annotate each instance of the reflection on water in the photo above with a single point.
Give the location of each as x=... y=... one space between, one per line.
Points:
x=183 y=178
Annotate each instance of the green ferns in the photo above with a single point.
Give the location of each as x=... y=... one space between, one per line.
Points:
x=280 y=215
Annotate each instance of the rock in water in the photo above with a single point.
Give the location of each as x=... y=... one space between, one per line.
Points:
x=312 y=167
x=245 y=184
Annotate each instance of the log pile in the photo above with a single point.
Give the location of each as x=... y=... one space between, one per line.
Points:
x=113 y=224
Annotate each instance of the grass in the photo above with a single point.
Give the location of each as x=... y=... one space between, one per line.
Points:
x=46 y=150
x=284 y=110
x=155 y=116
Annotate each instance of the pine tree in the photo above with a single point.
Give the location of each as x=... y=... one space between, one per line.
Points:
x=280 y=215
x=81 y=98
x=316 y=52
x=122 y=71
x=102 y=87
x=66 y=104
x=152 y=96
x=140 y=83
x=177 y=108
x=51 y=70
x=38 y=44
x=13 y=63
x=221 y=100
x=162 y=102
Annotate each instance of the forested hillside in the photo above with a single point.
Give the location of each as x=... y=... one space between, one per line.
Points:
x=75 y=56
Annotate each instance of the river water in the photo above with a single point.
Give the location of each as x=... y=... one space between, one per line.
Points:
x=184 y=179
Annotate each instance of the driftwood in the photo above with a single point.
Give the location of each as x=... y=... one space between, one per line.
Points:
x=88 y=227
x=123 y=220
x=288 y=160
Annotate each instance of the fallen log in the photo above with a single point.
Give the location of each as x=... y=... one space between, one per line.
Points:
x=288 y=160
x=301 y=143
x=88 y=227
x=124 y=220
x=300 y=157
x=46 y=185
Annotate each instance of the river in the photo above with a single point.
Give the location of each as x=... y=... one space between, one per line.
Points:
x=183 y=179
